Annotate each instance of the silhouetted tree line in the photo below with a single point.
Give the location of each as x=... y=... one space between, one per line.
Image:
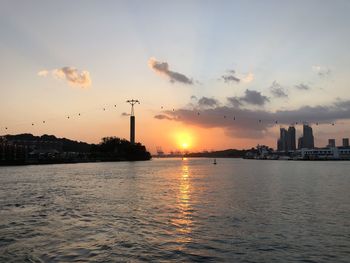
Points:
x=61 y=144
x=229 y=153
x=30 y=149
x=113 y=148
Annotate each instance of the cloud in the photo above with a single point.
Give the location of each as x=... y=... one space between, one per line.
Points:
x=230 y=77
x=278 y=91
x=247 y=78
x=233 y=76
x=254 y=98
x=207 y=102
x=251 y=97
x=302 y=86
x=235 y=101
x=163 y=117
x=125 y=114
x=248 y=123
x=321 y=71
x=162 y=68
x=43 y=73
x=73 y=76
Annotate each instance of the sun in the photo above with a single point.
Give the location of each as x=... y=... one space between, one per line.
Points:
x=184 y=145
x=184 y=140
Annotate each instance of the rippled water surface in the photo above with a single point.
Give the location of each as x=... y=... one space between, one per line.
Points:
x=174 y=210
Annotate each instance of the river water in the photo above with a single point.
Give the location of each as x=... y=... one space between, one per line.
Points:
x=176 y=210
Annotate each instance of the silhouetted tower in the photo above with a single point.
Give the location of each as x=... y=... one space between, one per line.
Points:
x=132 y=120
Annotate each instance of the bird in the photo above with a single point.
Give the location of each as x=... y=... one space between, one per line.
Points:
x=43 y=121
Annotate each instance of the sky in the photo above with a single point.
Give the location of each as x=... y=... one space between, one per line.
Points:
x=209 y=74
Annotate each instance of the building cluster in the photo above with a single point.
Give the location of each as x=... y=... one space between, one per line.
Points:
x=286 y=146
x=287 y=140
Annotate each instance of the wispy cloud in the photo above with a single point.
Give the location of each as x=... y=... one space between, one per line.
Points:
x=233 y=76
x=73 y=76
x=247 y=78
x=43 y=73
x=321 y=70
x=303 y=86
x=278 y=91
x=163 y=117
x=125 y=114
x=162 y=68
x=230 y=76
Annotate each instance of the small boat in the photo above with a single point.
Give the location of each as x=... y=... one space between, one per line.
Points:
x=214 y=161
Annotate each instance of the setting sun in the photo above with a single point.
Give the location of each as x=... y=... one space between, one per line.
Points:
x=184 y=139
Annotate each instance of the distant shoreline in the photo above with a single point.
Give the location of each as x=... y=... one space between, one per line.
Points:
x=67 y=162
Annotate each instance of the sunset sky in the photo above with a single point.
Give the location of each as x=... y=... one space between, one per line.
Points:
x=209 y=74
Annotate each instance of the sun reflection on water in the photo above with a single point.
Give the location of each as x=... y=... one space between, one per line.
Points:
x=183 y=220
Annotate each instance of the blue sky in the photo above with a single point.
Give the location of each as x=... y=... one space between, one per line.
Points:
x=282 y=41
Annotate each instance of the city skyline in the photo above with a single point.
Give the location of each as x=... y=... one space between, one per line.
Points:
x=210 y=80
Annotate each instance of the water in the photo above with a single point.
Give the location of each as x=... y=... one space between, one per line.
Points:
x=174 y=210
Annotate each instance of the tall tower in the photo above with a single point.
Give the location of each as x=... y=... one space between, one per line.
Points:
x=308 y=137
x=132 y=120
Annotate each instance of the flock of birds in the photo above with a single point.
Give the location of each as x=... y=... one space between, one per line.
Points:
x=103 y=109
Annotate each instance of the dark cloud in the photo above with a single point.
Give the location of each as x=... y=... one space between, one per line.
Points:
x=254 y=97
x=124 y=114
x=207 y=102
x=230 y=77
x=193 y=97
x=278 y=91
x=248 y=123
x=235 y=101
x=163 y=69
x=302 y=86
x=251 y=97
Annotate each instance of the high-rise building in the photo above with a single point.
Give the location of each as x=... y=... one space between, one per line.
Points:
x=286 y=142
x=307 y=140
x=345 y=142
x=300 y=143
x=331 y=143
x=308 y=137
x=282 y=142
x=291 y=139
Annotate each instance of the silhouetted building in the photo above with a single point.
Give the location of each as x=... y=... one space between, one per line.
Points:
x=307 y=141
x=282 y=141
x=331 y=143
x=286 y=142
x=345 y=142
x=300 y=143
x=291 y=139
